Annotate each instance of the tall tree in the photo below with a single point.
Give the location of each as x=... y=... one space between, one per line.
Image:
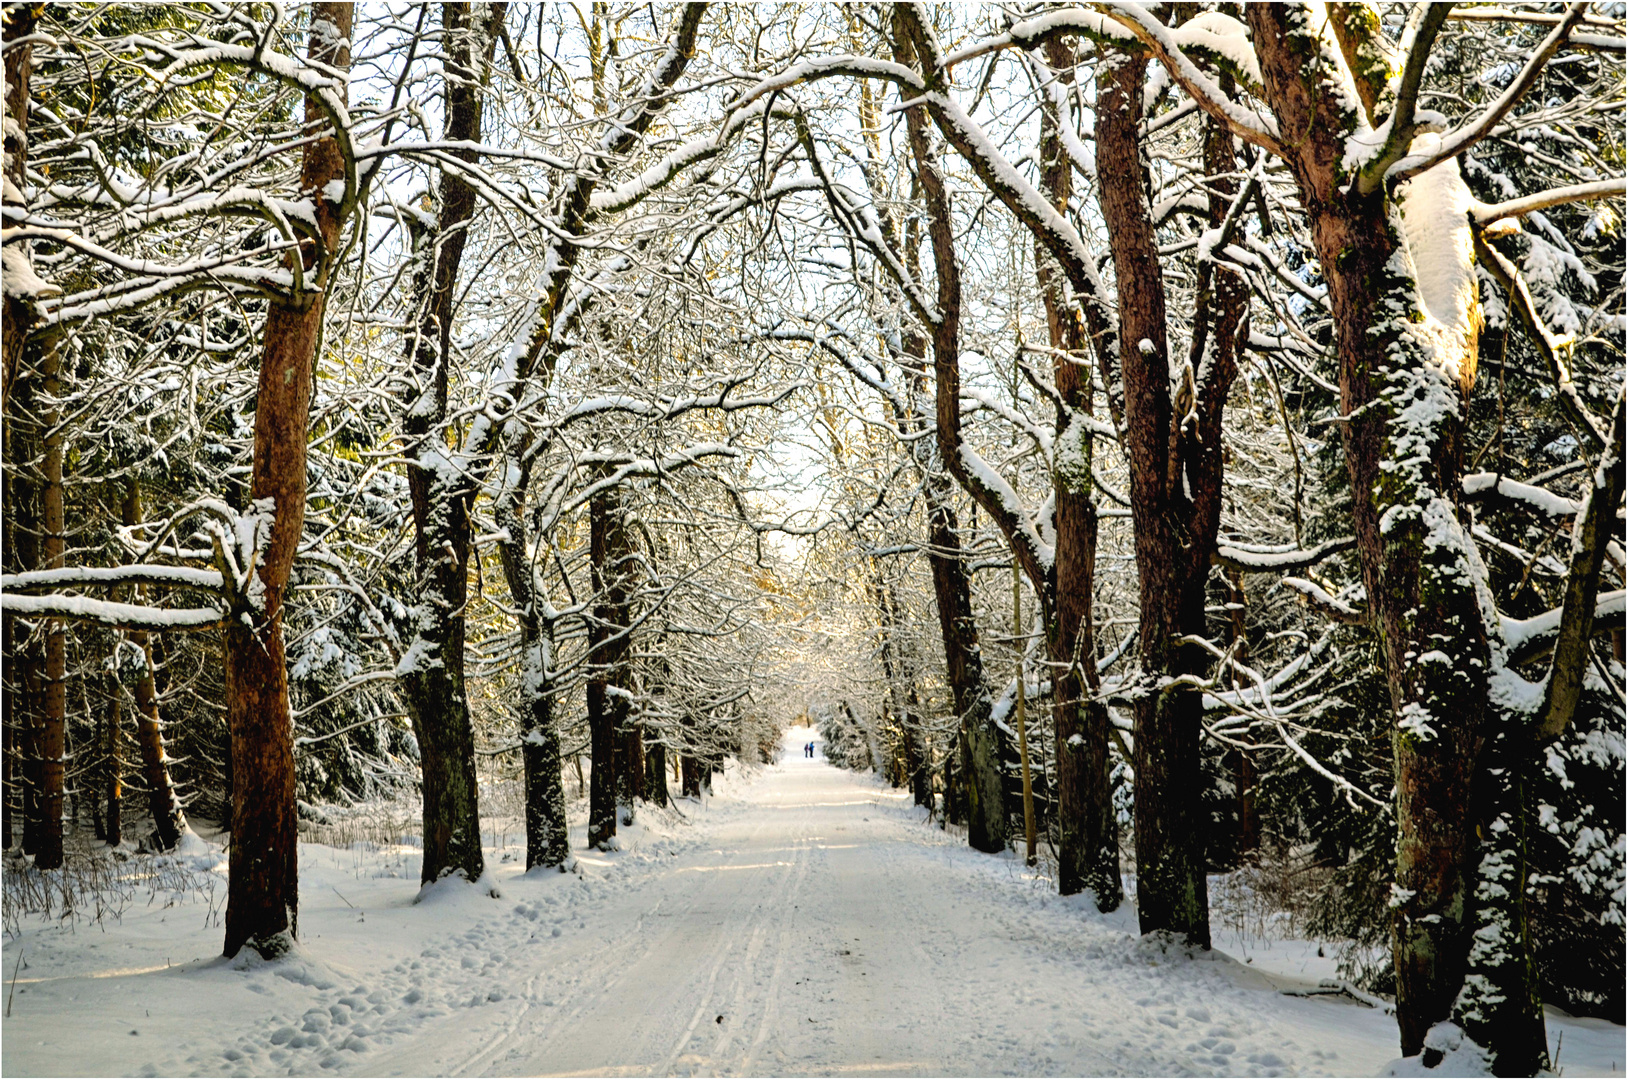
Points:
x=1092 y=859
x=1402 y=293
x=23 y=291
x=612 y=561
x=1088 y=847
x=432 y=674
x=263 y=893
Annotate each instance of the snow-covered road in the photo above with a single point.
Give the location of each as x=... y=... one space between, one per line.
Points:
x=806 y=921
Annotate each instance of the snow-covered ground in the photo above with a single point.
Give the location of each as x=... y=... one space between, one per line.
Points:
x=806 y=920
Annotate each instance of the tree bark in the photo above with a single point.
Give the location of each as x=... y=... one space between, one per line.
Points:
x=979 y=799
x=10 y=717
x=655 y=776
x=690 y=769
x=610 y=550
x=53 y=718
x=163 y=802
x=630 y=776
x=434 y=686
x=1088 y=832
x=24 y=663
x=1420 y=597
x=1175 y=504
x=263 y=892
x=547 y=843
x=23 y=289
x=989 y=826
x=112 y=794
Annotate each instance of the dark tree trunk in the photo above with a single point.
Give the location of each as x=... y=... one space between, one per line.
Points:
x=263 y=892
x=989 y=826
x=23 y=289
x=112 y=793
x=690 y=770
x=904 y=762
x=25 y=658
x=1171 y=888
x=1418 y=600
x=921 y=752
x=1174 y=446
x=547 y=842
x=955 y=812
x=434 y=687
x=24 y=661
x=163 y=802
x=655 y=775
x=630 y=777
x=31 y=675
x=973 y=791
x=53 y=717
x=1087 y=830
x=610 y=550
x=10 y=717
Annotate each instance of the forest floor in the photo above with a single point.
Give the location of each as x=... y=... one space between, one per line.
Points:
x=805 y=920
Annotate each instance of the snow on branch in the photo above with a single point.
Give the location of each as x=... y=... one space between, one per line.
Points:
x=1487 y=213
x=110 y=613
x=1482 y=484
x=1034 y=32
x=134 y=574
x=1263 y=559
x=1163 y=43
x=1329 y=605
x=1529 y=639
x=1596 y=42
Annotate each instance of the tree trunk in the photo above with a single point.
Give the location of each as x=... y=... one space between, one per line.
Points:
x=263 y=892
x=53 y=718
x=1171 y=558
x=547 y=842
x=973 y=793
x=630 y=776
x=902 y=767
x=608 y=645
x=655 y=776
x=690 y=769
x=988 y=825
x=112 y=793
x=954 y=802
x=163 y=802
x=24 y=663
x=921 y=751
x=1087 y=829
x=1499 y=1006
x=434 y=686
x=1421 y=596
x=24 y=289
x=10 y=717
x=25 y=658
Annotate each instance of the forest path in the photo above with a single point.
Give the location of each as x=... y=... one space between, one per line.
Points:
x=820 y=926
x=805 y=921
